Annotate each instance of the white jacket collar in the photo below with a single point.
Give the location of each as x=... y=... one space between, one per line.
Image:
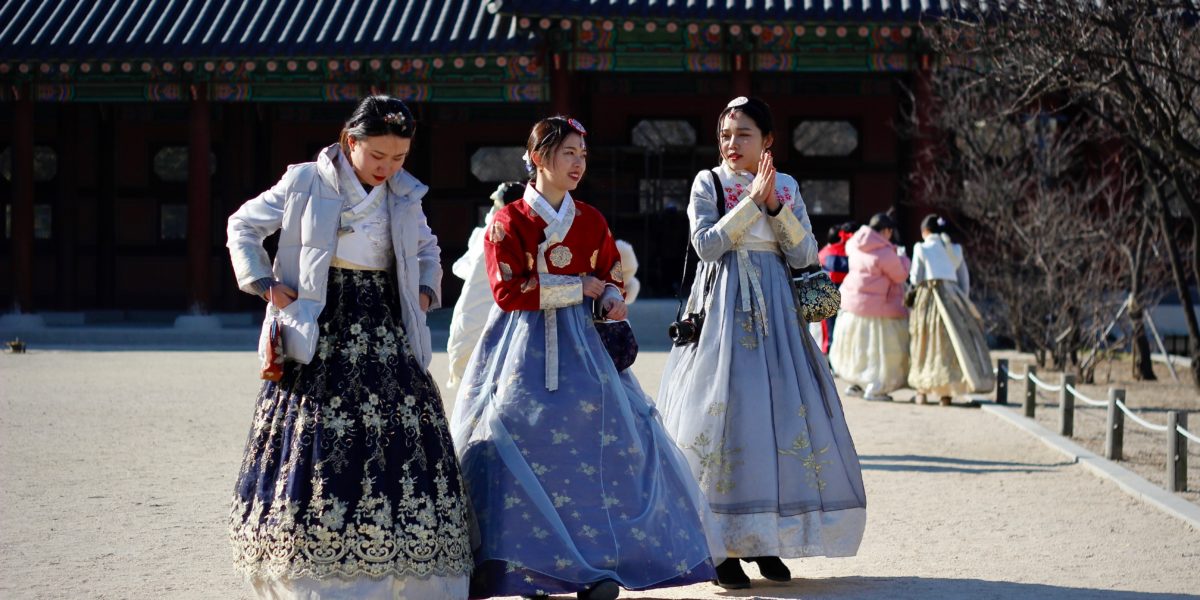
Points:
x=402 y=185
x=542 y=207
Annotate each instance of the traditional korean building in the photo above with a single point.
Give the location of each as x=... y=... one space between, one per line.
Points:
x=130 y=129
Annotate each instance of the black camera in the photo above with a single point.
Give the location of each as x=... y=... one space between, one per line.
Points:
x=686 y=331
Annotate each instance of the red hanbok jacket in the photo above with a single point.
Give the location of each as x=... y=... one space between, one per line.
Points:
x=579 y=243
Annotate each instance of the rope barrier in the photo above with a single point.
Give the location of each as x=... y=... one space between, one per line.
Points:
x=1139 y=420
x=1187 y=434
x=1044 y=385
x=1086 y=400
x=1021 y=377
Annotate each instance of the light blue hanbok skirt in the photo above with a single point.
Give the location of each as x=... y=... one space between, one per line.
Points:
x=573 y=486
x=754 y=408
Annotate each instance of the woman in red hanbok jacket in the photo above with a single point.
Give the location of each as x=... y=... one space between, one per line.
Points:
x=574 y=482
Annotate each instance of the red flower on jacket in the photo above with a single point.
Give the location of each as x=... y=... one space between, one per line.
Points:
x=785 y=196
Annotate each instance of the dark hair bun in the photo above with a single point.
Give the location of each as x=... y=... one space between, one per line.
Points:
x=933 y=223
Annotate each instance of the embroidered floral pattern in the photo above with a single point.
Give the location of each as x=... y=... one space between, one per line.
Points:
x=733 y=195
x=595 y=257
x=370 y=484
x=560 y=256
x=497 y=233
x=616 y=274
x=506 y=272
x=784 y=195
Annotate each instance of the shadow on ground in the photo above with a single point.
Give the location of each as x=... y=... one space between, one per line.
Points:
x=941 y=464
x=928 y=588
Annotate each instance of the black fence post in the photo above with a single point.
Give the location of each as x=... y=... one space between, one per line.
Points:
x=1114 y=439
x=1066 y=404
x=1002 y=381
x=1176 y=452
x=1030 y=391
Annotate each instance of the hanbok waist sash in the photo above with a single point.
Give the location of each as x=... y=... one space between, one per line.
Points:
x=342 y=263
x=750 y=280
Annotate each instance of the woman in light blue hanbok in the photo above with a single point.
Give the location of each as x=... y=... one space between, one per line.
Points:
x=752 y=402
x=574 y=482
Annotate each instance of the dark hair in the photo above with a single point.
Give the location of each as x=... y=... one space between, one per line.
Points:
x=832 y=237
x=547 y=136
x=507 y=192
x=881 y=221
x=378 y=115
x=755 y=108
x=933 y=223
x=849 y=226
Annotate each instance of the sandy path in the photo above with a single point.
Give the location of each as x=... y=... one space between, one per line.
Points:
x=116 y=470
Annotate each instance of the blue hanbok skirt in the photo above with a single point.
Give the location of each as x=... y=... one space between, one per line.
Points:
x=754 y=408
x=574 y=486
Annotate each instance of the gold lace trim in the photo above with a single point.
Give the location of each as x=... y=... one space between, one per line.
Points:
x=789 y=231
x=736 y=222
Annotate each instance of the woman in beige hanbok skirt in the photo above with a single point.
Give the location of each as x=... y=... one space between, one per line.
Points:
x=948 y=349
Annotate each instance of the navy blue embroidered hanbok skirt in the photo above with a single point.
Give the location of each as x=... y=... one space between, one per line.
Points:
x=349 y=469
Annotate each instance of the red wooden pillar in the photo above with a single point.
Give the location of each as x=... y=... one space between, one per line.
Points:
x=199 y=201
x=923 y=147
x=741 y=75
x=22 y=205
x=560 y=84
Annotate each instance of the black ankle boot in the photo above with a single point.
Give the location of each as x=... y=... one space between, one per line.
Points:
x=731 y=576
x=605 y=590
x=772 y=568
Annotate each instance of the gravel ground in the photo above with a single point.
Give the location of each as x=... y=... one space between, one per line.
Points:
x=116 y=470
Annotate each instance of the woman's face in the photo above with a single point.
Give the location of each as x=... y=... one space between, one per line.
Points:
x=377 y=158
x=742 y=142
x=566 y=165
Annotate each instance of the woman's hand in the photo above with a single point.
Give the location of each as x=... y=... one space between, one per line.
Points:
x=280 y=295
x=426 y=302
x=592 y=287
x=615 y=309
x=762 y=191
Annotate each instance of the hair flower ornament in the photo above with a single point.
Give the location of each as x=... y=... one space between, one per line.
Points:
x=528 y=163
x=941 y=222
x=577 y=126
x=739 y=101
x=395 y=118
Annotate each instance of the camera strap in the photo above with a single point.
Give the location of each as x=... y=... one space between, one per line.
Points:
x=688 y=250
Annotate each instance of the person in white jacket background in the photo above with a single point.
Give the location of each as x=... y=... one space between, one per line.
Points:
x=475 y=302
x=949 y=353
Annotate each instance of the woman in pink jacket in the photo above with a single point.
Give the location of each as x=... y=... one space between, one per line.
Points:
x=870 y=350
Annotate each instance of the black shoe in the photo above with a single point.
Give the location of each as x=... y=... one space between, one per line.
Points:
x=605 y=590
x=731 y=576
x=772 y=568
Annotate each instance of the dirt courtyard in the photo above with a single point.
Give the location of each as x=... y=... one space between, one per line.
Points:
x=116 y=470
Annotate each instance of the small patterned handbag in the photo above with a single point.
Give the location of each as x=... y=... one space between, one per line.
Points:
x=818 y=297
x=617 y=337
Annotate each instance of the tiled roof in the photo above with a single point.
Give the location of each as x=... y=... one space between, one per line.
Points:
x=119 y=29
